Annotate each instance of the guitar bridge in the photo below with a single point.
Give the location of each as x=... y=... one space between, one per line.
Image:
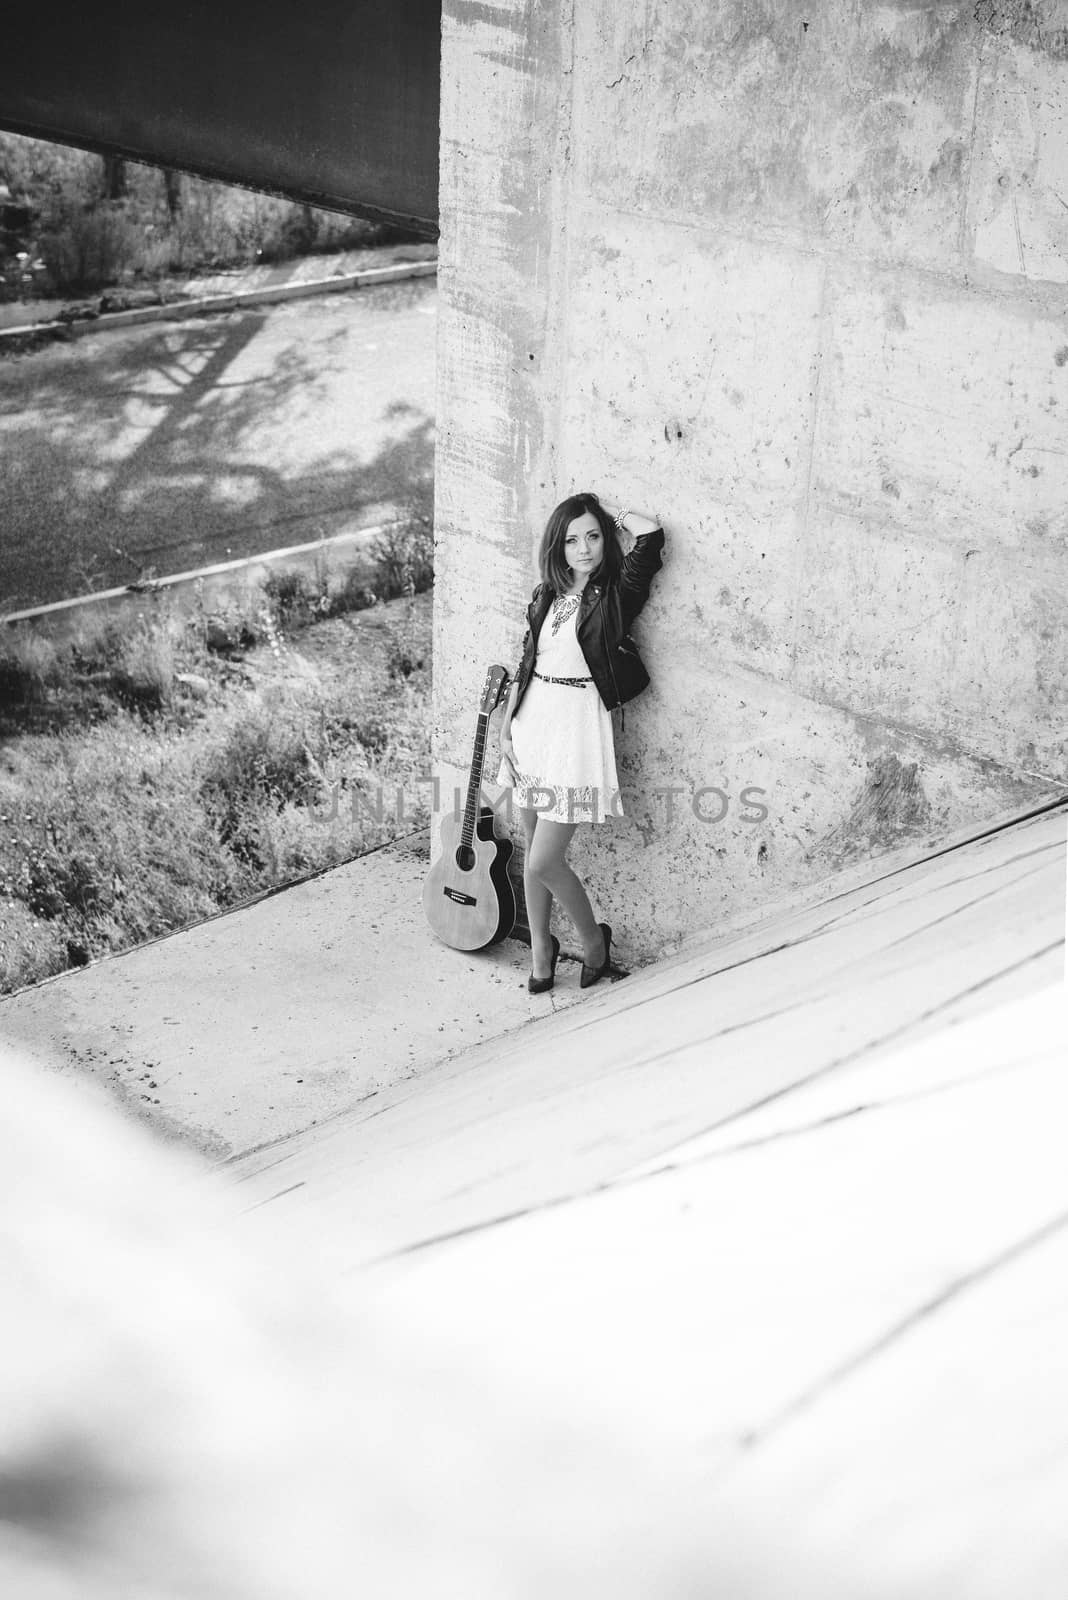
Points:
x=459 y=896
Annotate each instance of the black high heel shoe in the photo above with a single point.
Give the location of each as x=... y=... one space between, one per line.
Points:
x=591 y=975
x=540 y=985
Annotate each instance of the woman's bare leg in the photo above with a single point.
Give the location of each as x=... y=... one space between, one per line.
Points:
x=546 y=866
x=539 y=901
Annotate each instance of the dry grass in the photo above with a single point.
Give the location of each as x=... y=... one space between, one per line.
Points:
x=154 y=781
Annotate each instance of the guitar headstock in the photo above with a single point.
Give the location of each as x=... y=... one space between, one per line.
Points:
x=492 y=689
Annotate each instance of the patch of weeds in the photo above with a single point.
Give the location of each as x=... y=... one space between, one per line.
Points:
x=143 y=678
x=291 y=598
x=402 y=558
x=112 y=848
x=284 y=603
x=29 y=948
x=47 y=685
x=372 y=734
x=58 y=880
x=403 y=657
x=261 y=762
x=29 y=666
x=229 y=632
x=40 y=680
x=398 y=564
x=95 y=647
x=356 y=592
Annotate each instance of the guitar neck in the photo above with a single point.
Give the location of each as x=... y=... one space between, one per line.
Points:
x=474 y=781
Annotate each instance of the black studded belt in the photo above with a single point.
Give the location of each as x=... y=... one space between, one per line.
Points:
x=570 y=683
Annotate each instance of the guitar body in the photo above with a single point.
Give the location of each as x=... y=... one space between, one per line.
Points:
x=468 y=896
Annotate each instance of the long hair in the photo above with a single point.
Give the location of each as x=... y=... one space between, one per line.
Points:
x=554 y=568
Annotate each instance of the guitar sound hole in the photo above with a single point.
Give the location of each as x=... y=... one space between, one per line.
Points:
x=465 y=858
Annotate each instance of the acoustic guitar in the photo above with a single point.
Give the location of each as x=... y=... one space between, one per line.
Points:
x=468 y=896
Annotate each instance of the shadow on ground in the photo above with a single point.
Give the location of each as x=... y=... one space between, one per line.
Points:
x=137 y=454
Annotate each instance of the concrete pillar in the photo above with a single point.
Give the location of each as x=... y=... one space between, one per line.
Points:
x=793 y=278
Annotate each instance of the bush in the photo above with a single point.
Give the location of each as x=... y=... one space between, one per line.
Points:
x=145 y=673
x=95 y=646
x=86 y=245
x=28 y=665
x=261 y=763
x=356 y=592
x=296 y=600
x=403 y=558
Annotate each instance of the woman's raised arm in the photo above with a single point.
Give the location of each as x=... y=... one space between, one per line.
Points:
x=642 y=562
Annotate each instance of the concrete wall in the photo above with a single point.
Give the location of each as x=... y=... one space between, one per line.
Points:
x=794 y=278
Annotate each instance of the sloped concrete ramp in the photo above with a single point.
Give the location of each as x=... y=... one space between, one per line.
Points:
x=795 y=1200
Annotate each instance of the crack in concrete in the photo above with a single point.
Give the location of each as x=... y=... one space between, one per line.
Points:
x=913 y=1320
x=627 y=1180
x=811 y=444
x=1019 y=238
x=781 y=1134
x=623 y=76
x=867 y=1048
x=485 y=1225
x=963 y=878
x=831 y=922
x=772 y=1015
x=807 y=938
x=967 y=905
x=966 y=187
x=277 y=1196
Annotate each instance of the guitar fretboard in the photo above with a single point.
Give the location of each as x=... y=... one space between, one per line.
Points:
x=474 y=782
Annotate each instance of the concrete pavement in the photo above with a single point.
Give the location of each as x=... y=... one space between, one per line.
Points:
x=693 y=1046
x=276 y=1017
x=285 y=1014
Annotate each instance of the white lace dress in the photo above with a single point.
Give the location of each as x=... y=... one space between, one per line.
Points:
x=562 y=734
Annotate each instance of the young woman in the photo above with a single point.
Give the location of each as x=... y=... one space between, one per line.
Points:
x=557 y=750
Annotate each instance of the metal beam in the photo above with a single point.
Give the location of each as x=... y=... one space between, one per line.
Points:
x=334 y=103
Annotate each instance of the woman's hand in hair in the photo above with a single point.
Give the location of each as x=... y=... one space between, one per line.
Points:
x=636 y=523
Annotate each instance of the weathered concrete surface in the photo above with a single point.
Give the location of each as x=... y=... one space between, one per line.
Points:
x=793 y=281
x=729 y=1025
x=274 y=1017
x=793 y=1202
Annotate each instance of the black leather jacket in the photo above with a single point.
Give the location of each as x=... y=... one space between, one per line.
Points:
x=605 y=614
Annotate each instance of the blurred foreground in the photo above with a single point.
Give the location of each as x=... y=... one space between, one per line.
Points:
x=746 y=1277
x=183 y=1413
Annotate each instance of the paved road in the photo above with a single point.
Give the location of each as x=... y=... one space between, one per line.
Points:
x=152 y=450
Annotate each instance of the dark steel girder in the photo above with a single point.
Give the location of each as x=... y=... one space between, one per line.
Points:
x=334 y=102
